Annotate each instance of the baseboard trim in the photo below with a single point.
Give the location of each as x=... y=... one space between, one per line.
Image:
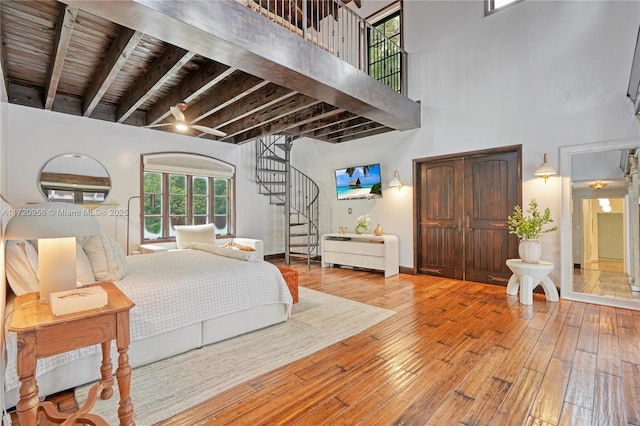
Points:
x=274 y=256
x=407 y=270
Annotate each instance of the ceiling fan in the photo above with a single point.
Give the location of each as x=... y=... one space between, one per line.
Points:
x=181 y=123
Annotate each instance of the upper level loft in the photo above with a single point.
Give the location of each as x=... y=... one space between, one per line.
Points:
x=229 y=70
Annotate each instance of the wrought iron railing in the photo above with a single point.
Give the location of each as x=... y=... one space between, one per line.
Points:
x=336 y=28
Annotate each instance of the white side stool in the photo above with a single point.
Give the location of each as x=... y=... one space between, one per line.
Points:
x=527 y=276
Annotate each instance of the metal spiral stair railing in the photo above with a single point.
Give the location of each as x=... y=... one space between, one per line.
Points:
x=288 y=187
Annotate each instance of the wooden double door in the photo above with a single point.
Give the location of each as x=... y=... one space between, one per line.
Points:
x=462 y=204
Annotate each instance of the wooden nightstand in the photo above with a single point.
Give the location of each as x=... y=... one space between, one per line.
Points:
x=41 y=334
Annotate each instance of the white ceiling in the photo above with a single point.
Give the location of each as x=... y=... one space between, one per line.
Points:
x=604 y=166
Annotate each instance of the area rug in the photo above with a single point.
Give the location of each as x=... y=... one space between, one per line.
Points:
x=168 y=387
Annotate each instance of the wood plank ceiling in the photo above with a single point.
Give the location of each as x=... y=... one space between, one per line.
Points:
x=60 y=57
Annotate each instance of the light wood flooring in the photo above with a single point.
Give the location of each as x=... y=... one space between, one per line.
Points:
x=605 y=265
x=454 y=353
x=603 y=278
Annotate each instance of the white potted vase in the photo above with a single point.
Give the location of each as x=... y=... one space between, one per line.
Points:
x=528 y=227
x=529 y=250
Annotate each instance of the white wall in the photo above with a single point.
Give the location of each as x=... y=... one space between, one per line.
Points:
x=543 y=74
x=34 y=136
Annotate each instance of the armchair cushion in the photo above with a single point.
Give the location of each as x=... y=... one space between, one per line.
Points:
x=186 y=235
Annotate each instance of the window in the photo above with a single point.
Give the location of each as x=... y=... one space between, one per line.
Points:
x=186 y=189
x=492 y=6
x=385 y=54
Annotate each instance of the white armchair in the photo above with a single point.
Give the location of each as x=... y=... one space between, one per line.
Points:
x=258 y=245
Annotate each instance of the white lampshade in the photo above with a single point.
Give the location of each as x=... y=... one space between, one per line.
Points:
x=396 y=182
x=55 y=226
x=545 y=170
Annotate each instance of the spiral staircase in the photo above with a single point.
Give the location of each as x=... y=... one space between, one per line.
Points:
x=288 y=187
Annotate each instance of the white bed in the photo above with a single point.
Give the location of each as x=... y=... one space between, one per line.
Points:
x=184 y=299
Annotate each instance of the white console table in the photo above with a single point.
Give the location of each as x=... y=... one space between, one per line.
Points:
x=363 y=251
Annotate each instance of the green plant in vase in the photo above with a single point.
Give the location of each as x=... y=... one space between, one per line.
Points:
x=528 y=228
x=362 y=224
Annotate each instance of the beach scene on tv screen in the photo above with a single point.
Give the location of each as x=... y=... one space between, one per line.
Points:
x=358 y=182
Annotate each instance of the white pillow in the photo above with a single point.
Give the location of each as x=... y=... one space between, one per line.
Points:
x=189 y=234
x=21 y=262
x=107 y=258
x=226 y=252
x=84 y=273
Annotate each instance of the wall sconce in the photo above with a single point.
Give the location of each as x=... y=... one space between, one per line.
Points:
x=396 y=182
x=545 y=170
x=55 y=226
x=598 y=185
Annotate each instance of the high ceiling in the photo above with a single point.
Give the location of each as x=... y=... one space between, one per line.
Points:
x=129 y=62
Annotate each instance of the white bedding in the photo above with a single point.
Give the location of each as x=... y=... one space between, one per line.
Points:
x=209 y=286
x=178 y=288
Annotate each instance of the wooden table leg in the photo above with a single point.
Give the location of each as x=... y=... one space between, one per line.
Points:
x=106 y=371
x=82 y=416
x=27 y=407
x=123 y=372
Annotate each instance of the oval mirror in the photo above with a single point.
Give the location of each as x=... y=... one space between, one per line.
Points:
x=75 y=178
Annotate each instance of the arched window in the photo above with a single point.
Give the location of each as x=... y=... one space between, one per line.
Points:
x=186 y=189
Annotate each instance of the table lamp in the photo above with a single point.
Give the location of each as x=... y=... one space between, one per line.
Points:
x=55 y=225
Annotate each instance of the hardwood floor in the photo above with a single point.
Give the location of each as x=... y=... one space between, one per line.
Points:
x=605 y=265
x=455 y=353
x=603 y=279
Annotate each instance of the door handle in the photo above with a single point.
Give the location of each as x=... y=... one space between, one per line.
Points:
x=467 y=224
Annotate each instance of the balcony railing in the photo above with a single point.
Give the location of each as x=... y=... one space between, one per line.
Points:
x=336 y=28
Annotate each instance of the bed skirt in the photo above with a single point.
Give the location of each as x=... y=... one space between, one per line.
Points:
x=87 y=369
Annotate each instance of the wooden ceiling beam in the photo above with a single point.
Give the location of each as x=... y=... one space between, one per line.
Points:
x=277 y=111
x=315 y=128
x=359 y=135
x=194 y=86
x=64 y=30
x=308 y=115
x=240 y=84
x=120 y=50
x=162 y=69
x=354 y=130
x=261 y=99
x=344 y=126
x=372 y=132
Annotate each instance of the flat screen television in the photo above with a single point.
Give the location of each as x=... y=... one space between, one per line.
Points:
x=359 y=182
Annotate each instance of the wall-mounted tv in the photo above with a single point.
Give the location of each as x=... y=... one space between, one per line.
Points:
x=359 y=182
